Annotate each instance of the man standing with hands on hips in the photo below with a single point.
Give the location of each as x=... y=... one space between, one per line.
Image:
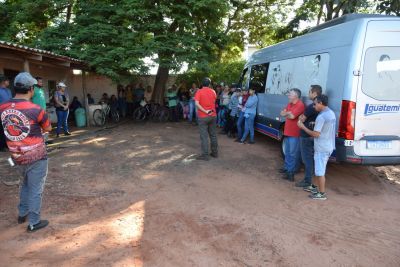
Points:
x=205 y=102
x=23 y=124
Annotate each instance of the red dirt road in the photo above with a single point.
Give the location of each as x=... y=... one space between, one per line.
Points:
x=134 y=196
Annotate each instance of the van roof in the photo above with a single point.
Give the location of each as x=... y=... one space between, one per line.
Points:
x=347 y=18
x=317 y=40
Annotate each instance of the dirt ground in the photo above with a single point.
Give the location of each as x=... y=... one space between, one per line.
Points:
x=133 y=196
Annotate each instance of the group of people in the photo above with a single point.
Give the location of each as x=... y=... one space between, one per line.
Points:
x=60 y=101
x=226 y=107
x=309 y=134
x=309 y=131
x=235 y=109
x=127 y=99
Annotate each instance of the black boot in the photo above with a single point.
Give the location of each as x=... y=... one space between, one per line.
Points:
x=290 y=176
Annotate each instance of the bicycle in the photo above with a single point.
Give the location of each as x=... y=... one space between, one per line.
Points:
x=142 y=113
x=151 y=111
x=100 y=115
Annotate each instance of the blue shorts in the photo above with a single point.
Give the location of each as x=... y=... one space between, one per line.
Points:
x=321 y=160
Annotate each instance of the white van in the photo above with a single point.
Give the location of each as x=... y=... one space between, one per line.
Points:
x=356 y=60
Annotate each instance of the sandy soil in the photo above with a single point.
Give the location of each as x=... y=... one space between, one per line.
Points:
x=133 y=196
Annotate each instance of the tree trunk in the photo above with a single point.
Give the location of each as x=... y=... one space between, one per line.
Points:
x=321 y=11
x=159 y=85
x=69 y=13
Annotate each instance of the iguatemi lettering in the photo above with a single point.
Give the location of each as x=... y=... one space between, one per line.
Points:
x=371 y=109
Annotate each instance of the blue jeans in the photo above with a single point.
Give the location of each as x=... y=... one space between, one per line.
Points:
x=221 y=117
x=292 y=153
x=249 y=127
x=239 y=124
x=31 y=189
x=307 y=155
x=62 y=116
x=122 y=107
x=192 y=110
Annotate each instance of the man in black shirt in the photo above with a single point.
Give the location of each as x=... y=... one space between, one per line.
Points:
x=306 y=141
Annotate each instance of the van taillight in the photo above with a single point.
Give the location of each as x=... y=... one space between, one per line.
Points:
x=346 y=121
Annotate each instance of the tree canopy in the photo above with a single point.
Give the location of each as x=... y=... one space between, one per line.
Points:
x=115 y=37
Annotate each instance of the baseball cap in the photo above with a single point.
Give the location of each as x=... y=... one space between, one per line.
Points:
x=61 y=84
x=24 y=80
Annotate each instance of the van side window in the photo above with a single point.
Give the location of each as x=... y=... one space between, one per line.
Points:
x=244 y=79
x=258 y=77
x=381 y=75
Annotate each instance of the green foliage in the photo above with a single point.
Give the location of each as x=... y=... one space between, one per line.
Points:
x=115 y=36
x=21 y=20
x=389 y=7
x=227 y=72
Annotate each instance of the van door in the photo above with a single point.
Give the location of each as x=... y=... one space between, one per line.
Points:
x=377 y=118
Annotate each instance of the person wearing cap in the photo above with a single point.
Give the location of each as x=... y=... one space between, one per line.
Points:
x=250 y=109
x=61 y=100
x=206 y=112
x=23 y=123
x=5 y=95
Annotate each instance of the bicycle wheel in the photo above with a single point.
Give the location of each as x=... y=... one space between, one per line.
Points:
x=155 y=114
x=115 y=116
x=99 y=118
x=139 y=114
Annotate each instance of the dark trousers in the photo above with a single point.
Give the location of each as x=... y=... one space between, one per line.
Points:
x=208 y=129
x=3 y=144
x=129 y=108
x=307 y=155
x=230 y=126
x=62 y=121
x=173 y=114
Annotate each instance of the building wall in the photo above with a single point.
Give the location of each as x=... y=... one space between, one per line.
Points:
x=96 y=85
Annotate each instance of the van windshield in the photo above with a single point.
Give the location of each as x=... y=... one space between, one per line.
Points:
x=381 y=76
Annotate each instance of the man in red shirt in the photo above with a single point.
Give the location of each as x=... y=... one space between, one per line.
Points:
x=206 y=112
x=23 y=124
x=292 y=133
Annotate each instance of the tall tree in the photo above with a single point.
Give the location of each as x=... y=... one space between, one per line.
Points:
x=181 y=31
x=22 y=20
x=100 y=33
x=320 y=11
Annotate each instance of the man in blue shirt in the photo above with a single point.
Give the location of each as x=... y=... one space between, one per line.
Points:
x=5 y=95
